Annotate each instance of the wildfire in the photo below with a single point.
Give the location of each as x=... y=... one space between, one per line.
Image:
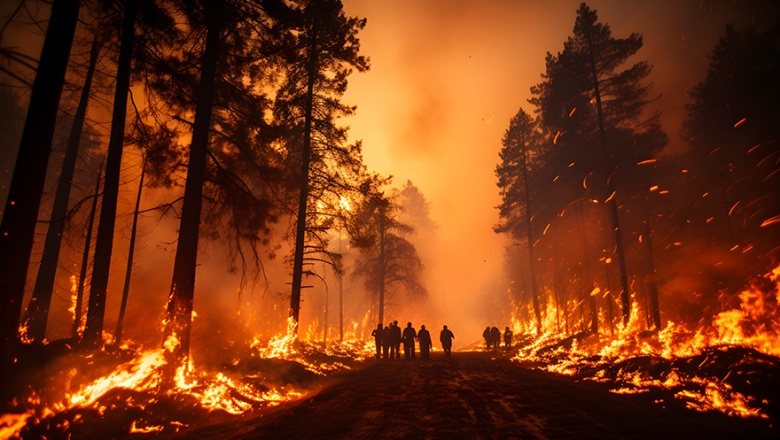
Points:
x=287 y=346
x=145 y=382
x=74 y=291
x=677 y=358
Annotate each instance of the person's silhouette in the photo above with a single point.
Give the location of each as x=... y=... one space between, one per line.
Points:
x=424 y=336
x=508 y=337
x=385 y=341
x=495 y=336
x=408 y=337
x=488 y=339
x=446 y=338
x=378 y=339
x=395 y=339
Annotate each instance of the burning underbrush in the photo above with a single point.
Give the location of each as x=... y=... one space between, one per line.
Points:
x=729 y=365
x=113 y=393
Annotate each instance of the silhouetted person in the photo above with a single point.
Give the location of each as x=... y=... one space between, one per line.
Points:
x=378 y=339
x=385 y=342
x=424 y=336
x=488 y=338
x=446 y=338
x=408 y=338
x=395 y=339
x=507 y=337
x=495 y=336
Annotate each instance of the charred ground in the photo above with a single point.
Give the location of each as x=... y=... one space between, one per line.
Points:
x=479 y=395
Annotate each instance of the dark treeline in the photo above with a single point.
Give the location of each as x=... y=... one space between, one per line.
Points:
x=605 y=220
x=231 y=106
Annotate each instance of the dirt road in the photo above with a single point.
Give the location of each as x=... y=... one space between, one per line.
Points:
x=480 y=395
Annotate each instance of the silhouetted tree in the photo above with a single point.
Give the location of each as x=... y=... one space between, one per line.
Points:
x=515 y=189
x=179 y=317
x=388 y=260
x=21 y=211
x=415 y=208
x=732 y=126
x=593 y=104
x=77 y=328
x=93 y=331
x=129 y=270
x=38 y=308
x=323 y=50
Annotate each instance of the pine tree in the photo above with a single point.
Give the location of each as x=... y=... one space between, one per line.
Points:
x=20 y=215
x=323 y=50
x=732 y=127
x=513 y=181
x=180 y=301
x=93 y=332
x=38 y=308
x=595 y=105
x=388 y=260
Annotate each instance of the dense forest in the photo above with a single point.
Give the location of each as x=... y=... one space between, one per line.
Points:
x=227 y=113
x=610 y=226
x=213 y=132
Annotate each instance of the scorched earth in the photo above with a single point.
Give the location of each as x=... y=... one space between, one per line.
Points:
x=479 y=395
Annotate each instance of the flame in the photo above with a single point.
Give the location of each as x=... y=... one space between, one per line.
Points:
x=11 y=424
x=23 y=336
x=74 y=291
x=134 y=429
x=285 y=346
x=754 y=324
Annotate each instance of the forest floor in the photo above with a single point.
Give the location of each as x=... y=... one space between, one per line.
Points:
x=475 y=394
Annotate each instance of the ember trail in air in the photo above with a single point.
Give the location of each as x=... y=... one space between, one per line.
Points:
x=227 y=219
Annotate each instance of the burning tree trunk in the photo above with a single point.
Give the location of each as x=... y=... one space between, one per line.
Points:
x=105 y=237
x=586 y=269
x=38 y=308
x=303 y=197
x=21 y=211
x=178 y=324
x=530 y=240
x=611 y=193
x=77 y=312
x=130 y=252
x=652 y=282
x=513 y=179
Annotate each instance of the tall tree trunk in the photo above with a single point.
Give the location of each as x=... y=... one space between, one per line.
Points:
x=381 y=267
x=608 y=296
x=325 y=338
x=77 y=314
x=17 y=230
x=129 y=270
x=303 y=197
x=341 y=291
x=611 y=194
x=594 y=312
x=180 y=300
x=105 y=237
x=652 y=281
x=38 y=308
x=530 y=237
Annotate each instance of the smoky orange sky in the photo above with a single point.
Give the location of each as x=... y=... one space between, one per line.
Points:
x=447 y=75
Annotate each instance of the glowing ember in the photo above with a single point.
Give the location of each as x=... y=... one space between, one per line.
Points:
x=10 y=424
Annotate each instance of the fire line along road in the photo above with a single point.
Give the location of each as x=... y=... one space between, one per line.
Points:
x=480 y=395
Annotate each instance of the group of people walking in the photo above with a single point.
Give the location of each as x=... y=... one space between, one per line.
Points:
x=389 y=338
x=493 y=337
